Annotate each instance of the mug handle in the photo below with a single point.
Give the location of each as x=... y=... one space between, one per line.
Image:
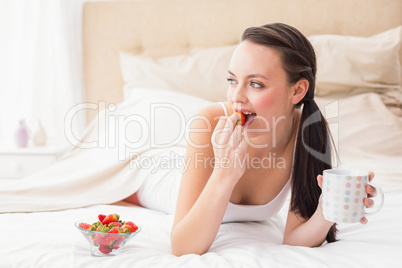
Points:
x=381 y=195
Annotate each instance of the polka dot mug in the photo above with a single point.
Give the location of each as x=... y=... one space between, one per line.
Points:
x=342 y=195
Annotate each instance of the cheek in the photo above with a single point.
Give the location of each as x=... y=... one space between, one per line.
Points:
x=270 y=106
x=264 y=103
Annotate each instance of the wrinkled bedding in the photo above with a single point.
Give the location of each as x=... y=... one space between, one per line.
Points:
x=50 y=239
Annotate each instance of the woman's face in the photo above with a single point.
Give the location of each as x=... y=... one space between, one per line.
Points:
x=258 y=84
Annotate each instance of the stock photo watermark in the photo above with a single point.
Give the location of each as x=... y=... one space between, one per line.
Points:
x=180 y=162
x=133 y=130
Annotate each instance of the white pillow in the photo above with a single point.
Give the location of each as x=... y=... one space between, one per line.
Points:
x=348 y=63
x=156 y=118
x=201 y=74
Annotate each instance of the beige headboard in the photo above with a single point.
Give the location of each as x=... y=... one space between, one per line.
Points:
x=169 y=27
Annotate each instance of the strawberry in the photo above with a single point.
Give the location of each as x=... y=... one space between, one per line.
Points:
x=126 y=227
x=103 y=229
x=114 y=230
x=104 y=239
x=104 y=249
x=85 y=226
x=111 y=218
x=115 y=223
x=95 y=225
x=242 y=119
x=98 y=239
x=132 y=224
x=101 y=217
x=118 y=242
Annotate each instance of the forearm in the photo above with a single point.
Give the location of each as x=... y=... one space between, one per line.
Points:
x=311 y=233
x=196 y=232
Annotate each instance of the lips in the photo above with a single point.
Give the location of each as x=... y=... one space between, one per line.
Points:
x=249 y=118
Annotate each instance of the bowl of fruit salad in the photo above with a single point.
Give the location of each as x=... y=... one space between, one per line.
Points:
x=107 y=235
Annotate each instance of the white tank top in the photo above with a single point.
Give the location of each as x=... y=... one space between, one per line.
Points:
x=236 y=212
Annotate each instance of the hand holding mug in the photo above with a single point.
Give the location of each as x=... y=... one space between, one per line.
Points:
x=346 y=194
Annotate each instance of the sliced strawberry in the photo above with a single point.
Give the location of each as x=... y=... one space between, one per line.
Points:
x=105 y=249
x=85 y=226
x=111 y=218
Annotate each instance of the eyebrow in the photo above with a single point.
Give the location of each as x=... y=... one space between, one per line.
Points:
x=251 y=75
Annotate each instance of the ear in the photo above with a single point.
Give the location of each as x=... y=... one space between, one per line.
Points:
x=299 y=90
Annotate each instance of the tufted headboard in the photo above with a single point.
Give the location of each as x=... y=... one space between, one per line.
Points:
x=172 y=27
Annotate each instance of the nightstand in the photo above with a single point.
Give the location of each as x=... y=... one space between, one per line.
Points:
x=18 y=162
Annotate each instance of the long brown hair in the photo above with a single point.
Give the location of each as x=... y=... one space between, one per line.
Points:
x=313 y=151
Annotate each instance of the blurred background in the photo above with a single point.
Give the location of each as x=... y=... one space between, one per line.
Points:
x=40 y=67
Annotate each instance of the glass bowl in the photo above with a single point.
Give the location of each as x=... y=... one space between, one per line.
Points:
x=106 y=244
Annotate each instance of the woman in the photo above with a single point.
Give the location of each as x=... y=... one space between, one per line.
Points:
x=284 y=142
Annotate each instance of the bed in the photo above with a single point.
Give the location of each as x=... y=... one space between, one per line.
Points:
x=149 y=52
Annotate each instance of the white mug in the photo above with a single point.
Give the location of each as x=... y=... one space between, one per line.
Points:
x=342 y=195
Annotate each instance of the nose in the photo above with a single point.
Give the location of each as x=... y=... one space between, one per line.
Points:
x=239 y=95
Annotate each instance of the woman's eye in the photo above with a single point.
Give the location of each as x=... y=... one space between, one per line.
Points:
x=231 y=81
x=256 y=85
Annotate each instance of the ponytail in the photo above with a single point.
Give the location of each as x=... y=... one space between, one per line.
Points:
x=312 y=156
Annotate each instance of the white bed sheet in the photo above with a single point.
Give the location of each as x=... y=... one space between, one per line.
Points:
x=49 y=239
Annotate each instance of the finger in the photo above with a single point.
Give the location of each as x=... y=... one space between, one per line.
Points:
x=231 y=123
x=371 y=191
x=319 y=180
x=368 y=202
x=221 y=123
x=219 y=137
x=364 y=220
x=236 y=136
x=242 y=144
x=371 y=175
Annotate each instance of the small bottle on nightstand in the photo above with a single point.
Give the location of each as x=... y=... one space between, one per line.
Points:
x=39 y=134
x=21 y=134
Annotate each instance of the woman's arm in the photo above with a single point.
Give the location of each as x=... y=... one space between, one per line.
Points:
x=312 y=232
x=307 y=233
x=205 y=190
x=195 y=227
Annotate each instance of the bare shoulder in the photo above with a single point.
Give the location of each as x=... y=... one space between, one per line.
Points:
x=208 y=116
x=199 y=143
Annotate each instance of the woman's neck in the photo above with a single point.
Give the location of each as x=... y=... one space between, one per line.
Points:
x=278 y=140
